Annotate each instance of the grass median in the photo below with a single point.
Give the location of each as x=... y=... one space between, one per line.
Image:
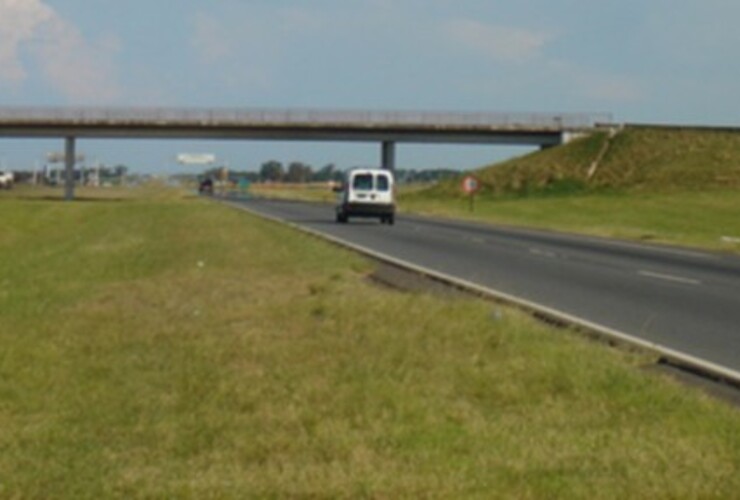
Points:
x=157 y=345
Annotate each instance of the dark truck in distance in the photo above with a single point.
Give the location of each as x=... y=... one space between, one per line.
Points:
x=206 y=186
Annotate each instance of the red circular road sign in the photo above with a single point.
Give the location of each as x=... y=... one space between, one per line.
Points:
x=470 y=184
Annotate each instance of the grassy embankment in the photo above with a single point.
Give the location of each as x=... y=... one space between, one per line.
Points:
x=155 y=345
x=670 y=186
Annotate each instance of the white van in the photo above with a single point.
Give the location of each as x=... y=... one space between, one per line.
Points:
x=367 y=192
x=6 y=180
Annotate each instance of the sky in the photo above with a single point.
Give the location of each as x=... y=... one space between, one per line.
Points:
x=650 y=61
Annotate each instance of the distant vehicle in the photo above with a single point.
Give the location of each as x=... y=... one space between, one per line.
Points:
x=367 y=192
x=206 y=186
x=6 y=180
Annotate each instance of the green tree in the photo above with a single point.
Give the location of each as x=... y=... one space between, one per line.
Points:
x=325 y=173
x=120 y=171
x=299 y=172
x=272 y=171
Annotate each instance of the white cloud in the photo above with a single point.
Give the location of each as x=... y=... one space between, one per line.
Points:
x=234 y=50
x=300 y=20
x=499 y=43
x=614 y=89
x=80 y=70
x=248 y=45
x=219 y=38
x=598 y=86
x=532 y=68
x=19 y=23
x=210 y=39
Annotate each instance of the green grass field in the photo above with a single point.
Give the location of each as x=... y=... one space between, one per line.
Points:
x=643 y=159
x=707 y=219
x=319 y=192
x=155 y=345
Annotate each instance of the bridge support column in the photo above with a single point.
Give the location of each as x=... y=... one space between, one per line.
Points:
x=69 y=168
x=388 y=157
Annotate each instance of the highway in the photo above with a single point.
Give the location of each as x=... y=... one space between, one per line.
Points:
x=684 y=300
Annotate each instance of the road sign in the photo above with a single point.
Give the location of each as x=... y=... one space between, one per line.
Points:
x=470 y=184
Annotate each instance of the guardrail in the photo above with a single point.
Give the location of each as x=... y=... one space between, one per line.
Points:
x=257 y=116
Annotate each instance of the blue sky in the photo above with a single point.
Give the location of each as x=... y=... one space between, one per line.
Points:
x=643 y=61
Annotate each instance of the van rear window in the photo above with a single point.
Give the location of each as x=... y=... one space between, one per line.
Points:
x=363 y=182
x=382 y=183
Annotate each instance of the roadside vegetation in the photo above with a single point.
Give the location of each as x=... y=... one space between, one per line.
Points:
x=670 y=186
x=159 y=345
x=639 y=159
x=318 y=191
x=704 y=219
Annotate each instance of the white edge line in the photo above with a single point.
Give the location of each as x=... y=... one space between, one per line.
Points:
x=666 y=352
x=661 y=249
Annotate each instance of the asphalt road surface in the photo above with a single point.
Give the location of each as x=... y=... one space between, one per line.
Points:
x=686 y=300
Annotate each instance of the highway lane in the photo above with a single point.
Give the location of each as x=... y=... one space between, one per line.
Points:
x=686 y=300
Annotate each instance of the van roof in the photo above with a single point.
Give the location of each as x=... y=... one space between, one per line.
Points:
x=368 y=170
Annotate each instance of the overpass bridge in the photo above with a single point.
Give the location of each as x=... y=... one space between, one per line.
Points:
x=386 y=128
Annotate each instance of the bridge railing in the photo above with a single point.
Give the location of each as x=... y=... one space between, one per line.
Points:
x=264 y=116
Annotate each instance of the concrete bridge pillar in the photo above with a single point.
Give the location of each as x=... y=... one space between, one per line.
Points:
x=388 y=157
x=69 y=168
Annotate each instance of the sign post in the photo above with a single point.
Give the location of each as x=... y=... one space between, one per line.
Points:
x=244 y=186
x=223 y=176
x=470 y=186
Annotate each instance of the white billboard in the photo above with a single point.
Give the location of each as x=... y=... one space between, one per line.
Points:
x=59 y=157
x=196 y=159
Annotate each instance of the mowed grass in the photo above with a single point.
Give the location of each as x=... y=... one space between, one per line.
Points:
x=164 y=346
x=707 y=219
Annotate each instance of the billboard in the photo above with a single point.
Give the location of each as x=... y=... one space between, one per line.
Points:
x=60 y=157
x=196 y=159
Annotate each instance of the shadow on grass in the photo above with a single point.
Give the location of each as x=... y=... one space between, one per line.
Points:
x=85 y=199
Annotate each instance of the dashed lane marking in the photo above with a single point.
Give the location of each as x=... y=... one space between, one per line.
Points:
x=670 y=277
x=543 y=253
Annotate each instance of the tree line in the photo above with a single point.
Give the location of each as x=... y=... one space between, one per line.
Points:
x=298 y=172
x=50 y=175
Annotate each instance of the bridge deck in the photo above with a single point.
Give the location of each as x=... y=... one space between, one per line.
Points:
x=302 y=124
x=385 y=127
